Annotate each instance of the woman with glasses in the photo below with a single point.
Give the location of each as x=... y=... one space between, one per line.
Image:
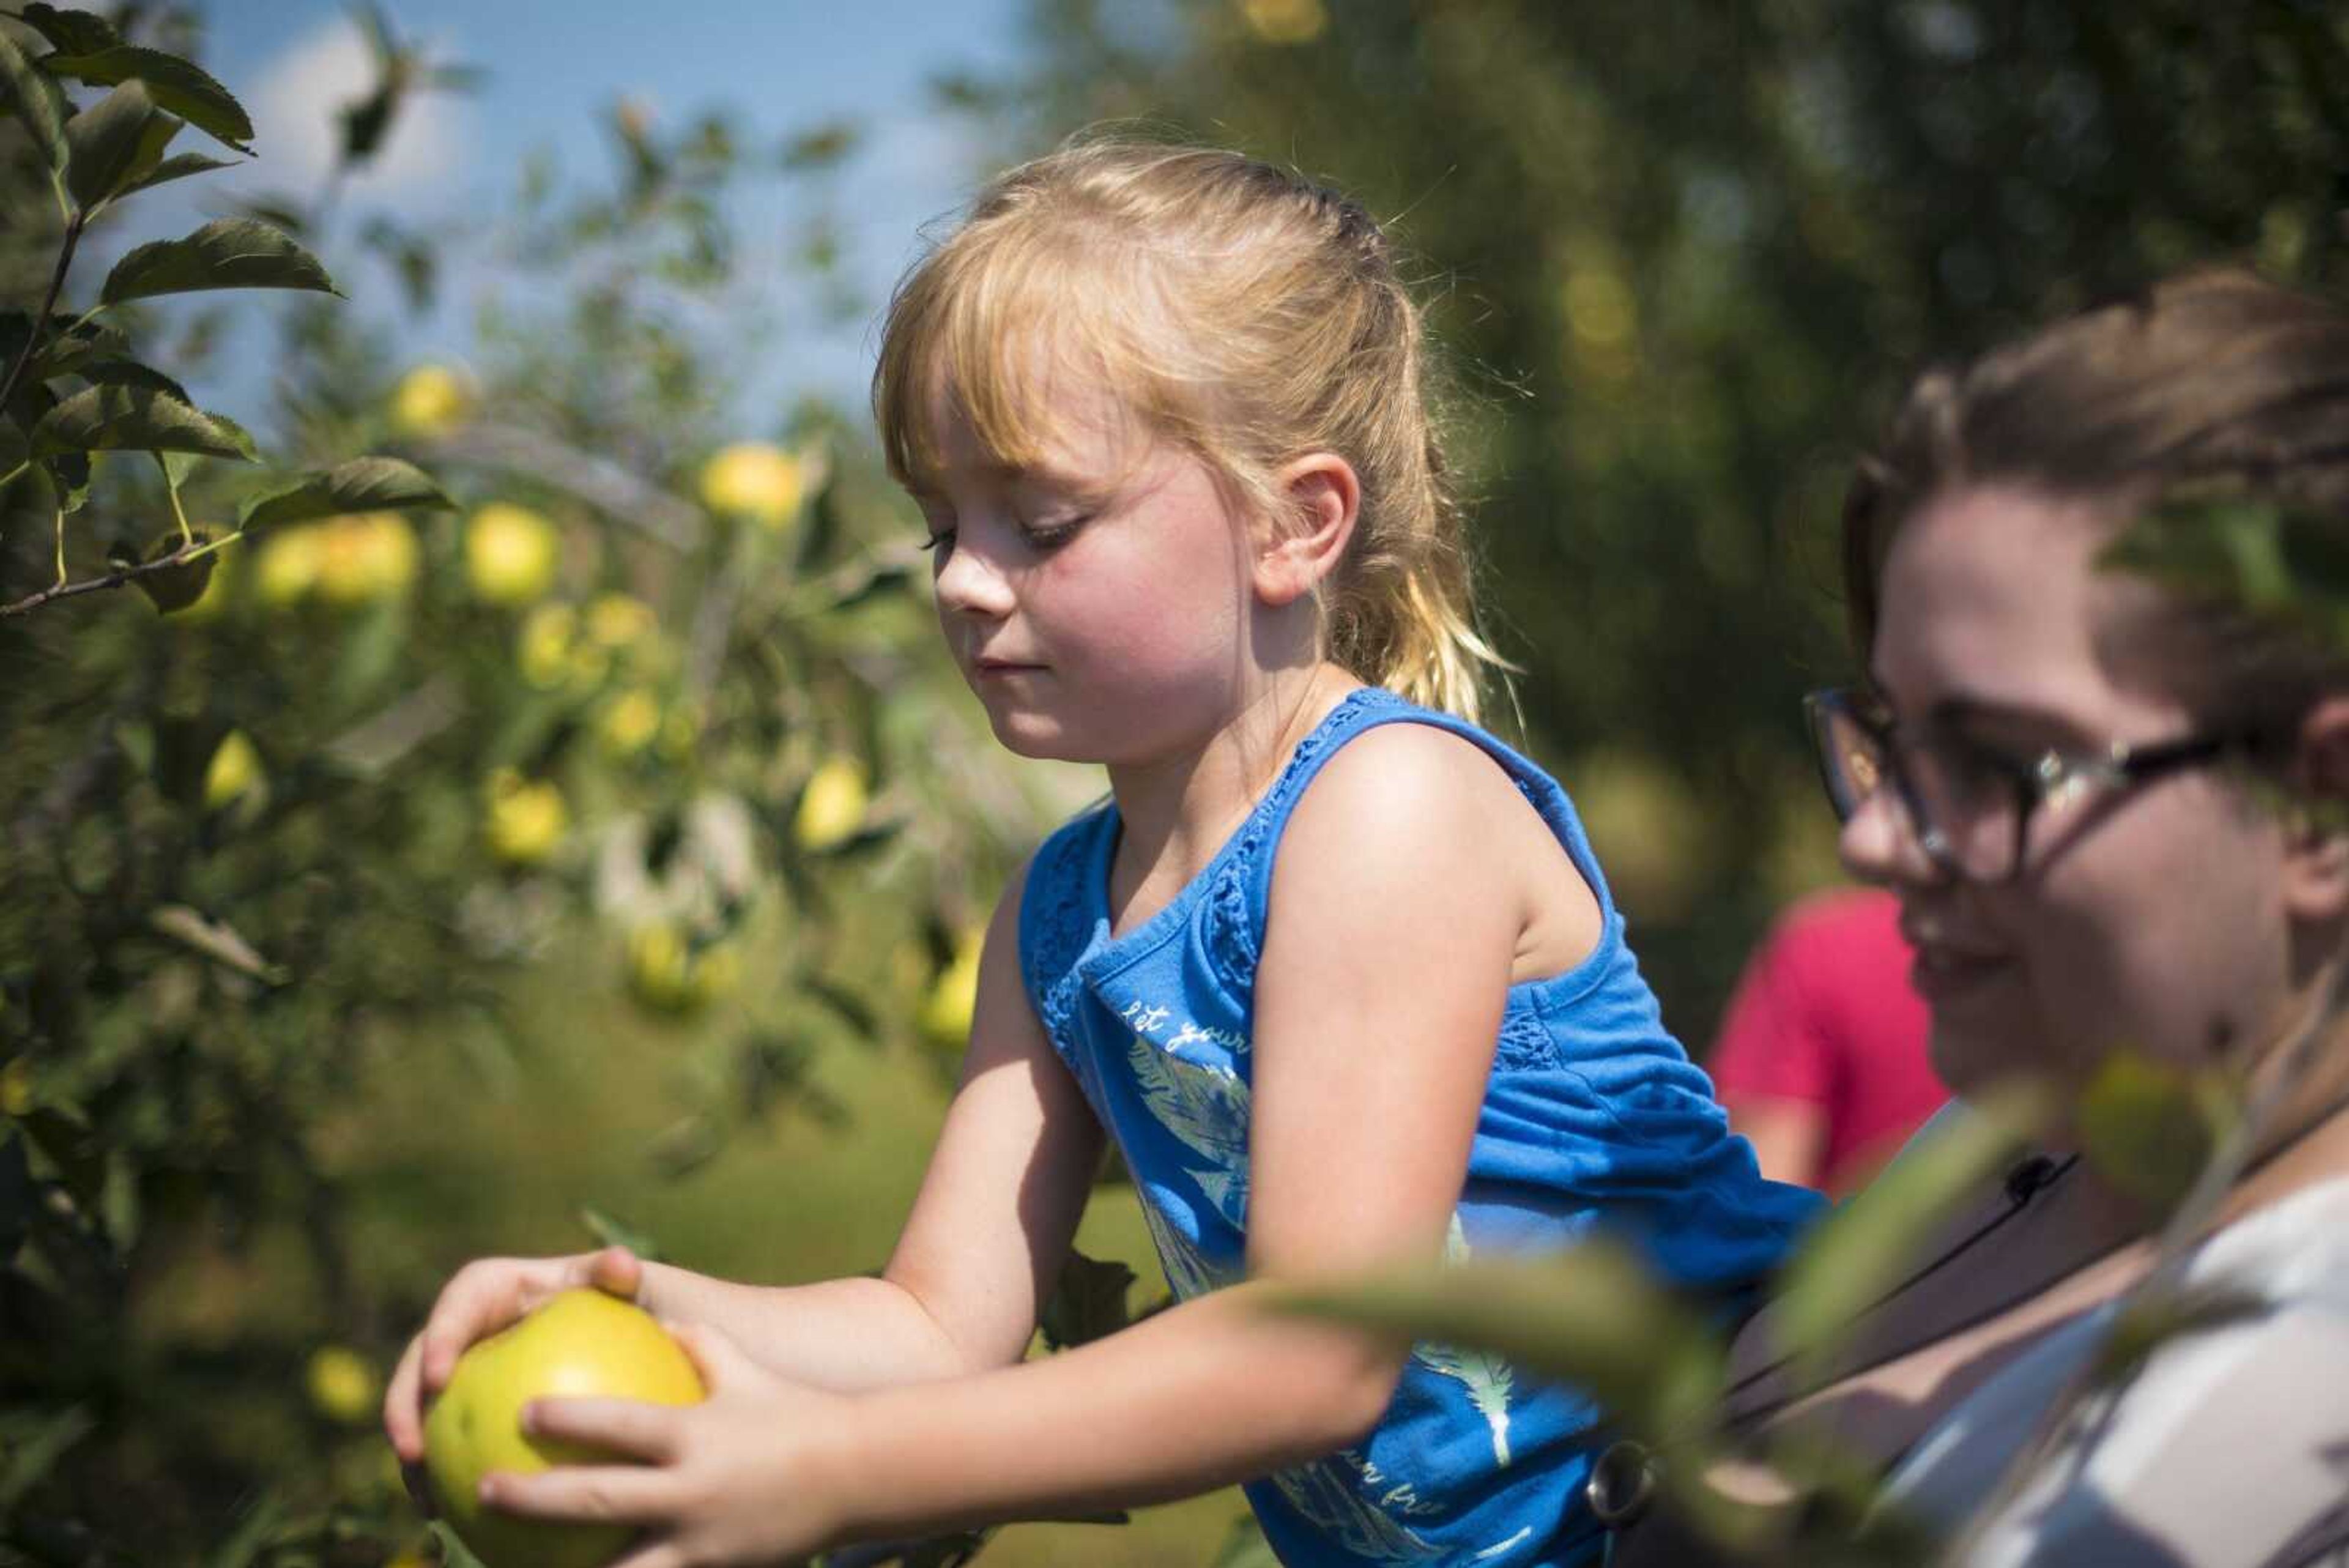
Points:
x=2108 y=804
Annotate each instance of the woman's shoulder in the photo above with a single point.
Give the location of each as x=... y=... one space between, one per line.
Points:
x=2217 y=1448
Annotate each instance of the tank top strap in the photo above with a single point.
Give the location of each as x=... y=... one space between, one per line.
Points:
x=1238 y=901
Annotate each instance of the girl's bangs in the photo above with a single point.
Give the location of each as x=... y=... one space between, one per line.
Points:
x=994 y=330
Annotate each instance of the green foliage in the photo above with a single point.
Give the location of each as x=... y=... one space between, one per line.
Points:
x=177 y=84
x=386 y=731
x=362 y=484
x=232 y=252
x=1860 y=1254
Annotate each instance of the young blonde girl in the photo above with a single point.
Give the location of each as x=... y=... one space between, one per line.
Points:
x=1334 y=969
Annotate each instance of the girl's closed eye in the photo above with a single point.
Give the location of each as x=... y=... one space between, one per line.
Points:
x=1044 y=537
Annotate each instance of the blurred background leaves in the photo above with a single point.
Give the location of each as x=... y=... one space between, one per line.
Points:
x=617 y=840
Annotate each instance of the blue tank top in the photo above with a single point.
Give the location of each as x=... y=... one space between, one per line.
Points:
x=1592 y=1114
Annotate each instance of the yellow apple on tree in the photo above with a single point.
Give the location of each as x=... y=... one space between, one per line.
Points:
x=430 y=401
x=365 y=557
x=342 y=1384
x=751 y=479
x=831 y=806
x=527 y=818
x=510 y=554
x=236 y=770
x=945 y=1017
x=581 y=1343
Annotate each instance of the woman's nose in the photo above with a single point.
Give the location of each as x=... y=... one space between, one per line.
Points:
x=1883 y=842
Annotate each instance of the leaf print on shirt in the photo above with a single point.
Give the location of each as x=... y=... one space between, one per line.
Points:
x=1326 y=1495
x=1489 y=1377
x=1206 y=1109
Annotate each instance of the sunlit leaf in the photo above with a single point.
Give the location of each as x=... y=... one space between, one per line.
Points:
x=132 y=373
x=1858 y=1255
x=362 y=484
x=230 y=252
x=35 y=100
x=2143 y=1326
x=137 y=419
x=215 y=940
x=610 y=1233
x=179 y=166
x=1595 y=1317
x=178 y=85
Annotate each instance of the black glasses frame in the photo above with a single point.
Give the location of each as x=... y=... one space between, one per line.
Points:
x=2118 y=767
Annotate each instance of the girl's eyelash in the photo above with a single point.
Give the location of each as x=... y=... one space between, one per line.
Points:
x=1052 y=536
x=941 y=540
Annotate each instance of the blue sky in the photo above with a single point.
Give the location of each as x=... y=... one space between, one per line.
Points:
x=555 y=68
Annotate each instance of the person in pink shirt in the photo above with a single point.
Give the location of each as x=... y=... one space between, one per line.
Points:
x=1821 y=1055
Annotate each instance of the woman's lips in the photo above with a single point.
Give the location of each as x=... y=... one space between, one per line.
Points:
x=1941 y=973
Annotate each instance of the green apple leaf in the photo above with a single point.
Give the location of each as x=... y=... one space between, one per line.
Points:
x=1089 y=1301
x=172 y=588
x=180 y=86
x=70 y=32
x=232 y=252
x=137 y=419
x=104 y=140
x=35 y=100
x=76 y=346
x=362 y=484
x=132 y=373
x=178 y=167
x=1863 y=1250
x=1595 y=1317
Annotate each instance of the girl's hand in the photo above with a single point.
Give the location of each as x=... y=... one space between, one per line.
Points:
x=479 y=1299
x=737 y=1479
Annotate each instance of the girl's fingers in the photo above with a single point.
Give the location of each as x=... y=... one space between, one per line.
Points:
x=617 y=1271
x=658 y=1551
x=610 y=1494
x=717 y=1358
x=628 y=1427
x=402 y=1421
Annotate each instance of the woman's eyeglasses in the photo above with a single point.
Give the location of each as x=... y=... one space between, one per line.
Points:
x=1972 y=806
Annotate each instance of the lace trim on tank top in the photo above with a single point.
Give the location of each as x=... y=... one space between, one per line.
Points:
x=1230 y=932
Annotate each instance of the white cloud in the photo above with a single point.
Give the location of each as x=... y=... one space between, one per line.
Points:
x=297 y=130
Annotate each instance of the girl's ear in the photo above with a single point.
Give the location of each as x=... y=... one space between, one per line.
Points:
x=2316 y=866
x=1322 y=498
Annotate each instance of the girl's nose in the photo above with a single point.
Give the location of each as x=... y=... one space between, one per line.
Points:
x=970 y=584
x=1882 y=842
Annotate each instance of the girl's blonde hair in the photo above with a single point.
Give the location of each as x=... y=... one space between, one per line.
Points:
x=1241 y=312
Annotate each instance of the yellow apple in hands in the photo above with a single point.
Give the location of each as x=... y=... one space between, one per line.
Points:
x=583 y=1344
